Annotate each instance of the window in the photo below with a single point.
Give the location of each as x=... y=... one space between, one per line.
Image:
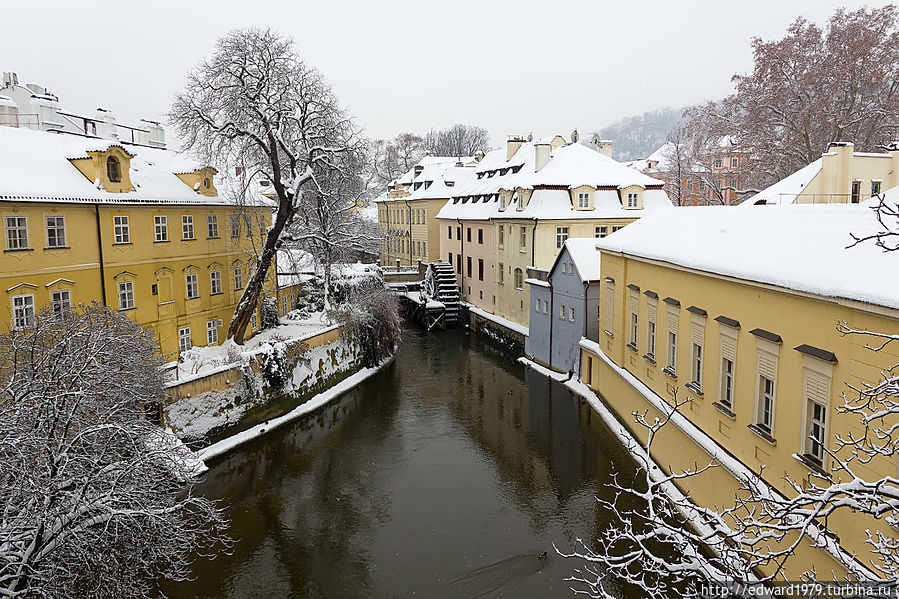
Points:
x=734 y=162
x=449 y=232
x=500 y=273
x=717 y=163
x=817 y=426
x=468 y=266
x=284 y=308
x=206 y=183
x=561 y=236
x=502 y=201
x=672 y=338
x=519 y=278
x=193 y=288
x=235 y=225
x=184 y=343
x=161 y=227
x=113 y=172
x=481 y=236
x=126 y=295
x=60 y=302
x=767 y=377
x=765 y=419
x=502 y=236
x=632 y=199
x=468 y=234
x=537 y=305
x=16 y=233
x=187 y=226
x=212 y=332
x=120 y=229
x=450 y=258
x=459 y=233
x=651 y=340
x=583 y=200
x=215 y=282
x=212 y=226
x=480 y=269
x=856 y=191
x=459 y=264
x=571 y=313
x=634 y=301
x=615 y=229
x=56 y=232
x=727 y=383
x=697 y=366
x=601 y=232
x=524 y=238
x=875 y=188
x=728 y=366
x=519 y=199
x=23 y=311
x=634 y=329
x=545 y=307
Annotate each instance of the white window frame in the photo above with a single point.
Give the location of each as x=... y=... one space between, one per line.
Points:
x=121 y=228
x=212 y=226
x=671 y=337
x=126 y=295
x=191 y=284
x=524 y=238
x=215 y=282
x=561 y=236
x=60 y=301
x=212 y=331
x=610 y=308
x=728 y=368
x=58 y=240
x=17 y=233
x=571 y=313
x=22 y=311
x=767 y=358
x=238 y=278
x=160 y=227
x=600 y=231
x=518 y=278
x=583 y=200
x=187 y=227
x=184 y=340
x=633 y=199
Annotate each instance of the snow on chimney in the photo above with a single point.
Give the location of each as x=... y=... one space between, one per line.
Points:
x=512 y=144
x=603 y=146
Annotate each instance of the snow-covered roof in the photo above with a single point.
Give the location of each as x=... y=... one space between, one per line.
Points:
x=801 y=247
x=787 y=189
x=585 y=256
x=569 y=166
x=35 y=166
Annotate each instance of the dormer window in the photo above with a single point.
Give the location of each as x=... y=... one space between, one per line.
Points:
x=519 y=200
x=632 y=199
x=113 y=170
x=583 y=200
x=206 y=183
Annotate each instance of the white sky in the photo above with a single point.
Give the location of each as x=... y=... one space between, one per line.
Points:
x=511 y=66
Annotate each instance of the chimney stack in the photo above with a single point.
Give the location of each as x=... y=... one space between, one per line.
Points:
x=603 y=146
x=541 y=155
x=512 y=144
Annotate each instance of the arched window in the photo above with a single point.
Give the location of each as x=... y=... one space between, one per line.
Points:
x=113 y=172
x=519 y=278
x=206 y=182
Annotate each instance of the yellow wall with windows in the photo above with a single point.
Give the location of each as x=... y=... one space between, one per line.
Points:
x=155 y=269
x=409 y=230
x=799 y=319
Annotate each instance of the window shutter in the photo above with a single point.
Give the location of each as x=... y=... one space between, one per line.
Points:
x=651 y=310
x=729 y=347
x=672 y=319
x=698 y=331
x=634 y=302
x=817 y=387
x=768 y=365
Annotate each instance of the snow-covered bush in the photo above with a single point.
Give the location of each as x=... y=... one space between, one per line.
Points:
x=269 y=313
x=95 y=503
x=371 y=316
x=279 y=362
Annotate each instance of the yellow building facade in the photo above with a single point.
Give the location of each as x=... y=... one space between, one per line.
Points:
x=761 y=361
x=135 y=228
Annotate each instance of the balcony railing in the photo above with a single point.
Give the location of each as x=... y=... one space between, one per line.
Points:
x=29 y=120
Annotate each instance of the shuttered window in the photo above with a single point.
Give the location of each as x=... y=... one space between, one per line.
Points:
x=672 y=338
x=728 y=366
x=697 y=337
x=634 y=311
x=610 y=307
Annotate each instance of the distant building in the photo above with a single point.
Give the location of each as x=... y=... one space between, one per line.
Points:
x=564 y=306
x=840 y=176
x=32 y=106
x=535 y=195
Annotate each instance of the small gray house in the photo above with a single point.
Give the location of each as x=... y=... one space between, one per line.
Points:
x=564 y=306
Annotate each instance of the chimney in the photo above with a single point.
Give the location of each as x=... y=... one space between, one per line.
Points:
x=603 y=146
x=541 y=155
x=10 y=78
x=512 y=144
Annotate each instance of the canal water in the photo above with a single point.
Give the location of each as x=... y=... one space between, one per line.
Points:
x=446 y=475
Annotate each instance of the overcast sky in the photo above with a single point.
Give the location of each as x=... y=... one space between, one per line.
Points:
x=510 y=66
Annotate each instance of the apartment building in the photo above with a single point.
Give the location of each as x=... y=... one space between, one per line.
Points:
x=737 y=310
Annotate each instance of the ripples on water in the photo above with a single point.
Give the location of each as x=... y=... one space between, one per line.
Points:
x=447 y=475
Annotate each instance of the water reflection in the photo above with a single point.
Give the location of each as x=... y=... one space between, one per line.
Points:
x=445 y=476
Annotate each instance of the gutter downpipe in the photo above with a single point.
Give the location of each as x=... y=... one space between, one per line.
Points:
x=100 y=252
x=409 y=215
x=462 y=254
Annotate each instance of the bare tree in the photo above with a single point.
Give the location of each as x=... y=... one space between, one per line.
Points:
x=810 y=88
x=94 y=501
x=254 y=103
x=371 y=317
x=329 y=223
x=459 y=140
x=674 y=544
x=392 y=158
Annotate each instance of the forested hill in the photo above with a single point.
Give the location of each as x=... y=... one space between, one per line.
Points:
x=640 y=135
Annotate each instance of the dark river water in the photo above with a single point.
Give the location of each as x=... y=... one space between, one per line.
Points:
x=444 y=476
